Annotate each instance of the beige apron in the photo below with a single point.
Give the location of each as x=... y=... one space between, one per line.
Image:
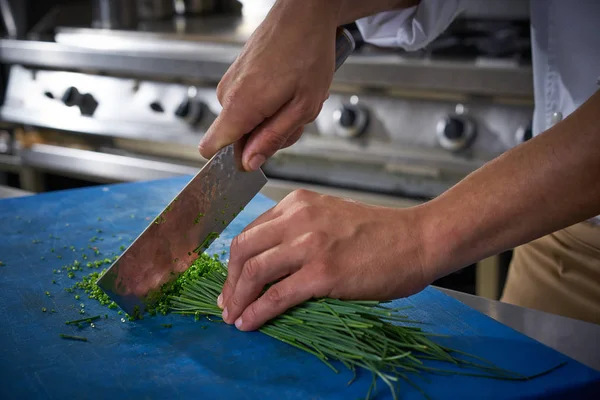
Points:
x=558 y=273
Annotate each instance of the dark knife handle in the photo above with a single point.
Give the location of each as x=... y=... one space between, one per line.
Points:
x=344 y=46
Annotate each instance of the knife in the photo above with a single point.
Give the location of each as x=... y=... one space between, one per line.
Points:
x=191 y=221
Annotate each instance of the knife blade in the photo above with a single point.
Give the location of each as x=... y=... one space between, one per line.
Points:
x=191 y=221
x=183 y=230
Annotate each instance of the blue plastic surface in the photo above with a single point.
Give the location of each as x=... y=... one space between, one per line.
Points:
x=144 y=360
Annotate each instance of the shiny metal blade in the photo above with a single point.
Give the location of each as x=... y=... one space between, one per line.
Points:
x=185 y=228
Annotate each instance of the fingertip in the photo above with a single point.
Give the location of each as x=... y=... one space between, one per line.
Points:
x=255 y=162
x=225 y=315
x=204 y=147
x=247 y=324
x=239 y=323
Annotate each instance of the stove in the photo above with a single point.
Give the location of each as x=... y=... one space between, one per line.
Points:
x=396 y=123
x=398 y=128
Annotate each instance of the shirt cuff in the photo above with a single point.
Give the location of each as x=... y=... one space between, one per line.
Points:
x=411 y=28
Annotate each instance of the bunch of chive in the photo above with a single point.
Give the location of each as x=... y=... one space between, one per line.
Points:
x=359 y=334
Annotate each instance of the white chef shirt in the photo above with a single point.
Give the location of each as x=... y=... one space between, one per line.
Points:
x=565 y=47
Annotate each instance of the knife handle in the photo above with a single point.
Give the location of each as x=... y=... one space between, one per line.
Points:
x=344 y=46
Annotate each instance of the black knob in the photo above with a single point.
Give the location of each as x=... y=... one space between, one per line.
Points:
x=348 y=117
x=191 y=110
x=71 y=96
x=454 y=129
x=527 y=134
x=455 y=132
x=88 y=105
x=156 y=107
x=183 y=110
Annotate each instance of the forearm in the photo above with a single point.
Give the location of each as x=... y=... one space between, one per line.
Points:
x=544 y=185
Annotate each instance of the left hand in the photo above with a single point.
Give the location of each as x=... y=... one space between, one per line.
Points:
x=322 y=246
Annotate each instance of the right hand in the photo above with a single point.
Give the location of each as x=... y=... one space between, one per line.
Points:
x=278 y=83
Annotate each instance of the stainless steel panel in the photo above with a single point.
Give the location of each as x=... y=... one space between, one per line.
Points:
x=104 y=168
x=577 y=339
x=209 y=62
x=99 y=166
x=401 y=128
x=10 y=163
x=114 y=14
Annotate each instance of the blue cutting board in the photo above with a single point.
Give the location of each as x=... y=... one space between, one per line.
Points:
x=201 y=360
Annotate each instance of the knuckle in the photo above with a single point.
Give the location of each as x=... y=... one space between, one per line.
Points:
x=231 y=98
x=235 y=302
x=252 y=269
x=222 y=90
x=227 y=286
x=227 y=289
x=325 y=274
x=236 y=97
x=313 y=239
x=305 y=109
x=236 y=245
x=300 y=195
x=304 y=212
x=273 y=139
x=250 y=314
x=274 y=296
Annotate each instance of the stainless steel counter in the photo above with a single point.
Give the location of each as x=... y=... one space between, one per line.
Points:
x=8 y=192
x=576 y=339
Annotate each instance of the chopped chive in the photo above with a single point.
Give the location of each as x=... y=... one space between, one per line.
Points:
x=71 y=337
x=78 y=321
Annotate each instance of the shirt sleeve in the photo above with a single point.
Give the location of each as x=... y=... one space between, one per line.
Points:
x=411 y=28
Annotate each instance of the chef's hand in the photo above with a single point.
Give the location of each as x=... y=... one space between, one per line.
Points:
x=322 y=246
x=279 y=81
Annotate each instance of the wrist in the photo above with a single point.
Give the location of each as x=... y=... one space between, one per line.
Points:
x=436 y=242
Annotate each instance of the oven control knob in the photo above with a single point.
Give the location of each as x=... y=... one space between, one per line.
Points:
x=350 y=120
x=523 y=134
x=71 y=96
x=455 y=132
x=191 y=111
